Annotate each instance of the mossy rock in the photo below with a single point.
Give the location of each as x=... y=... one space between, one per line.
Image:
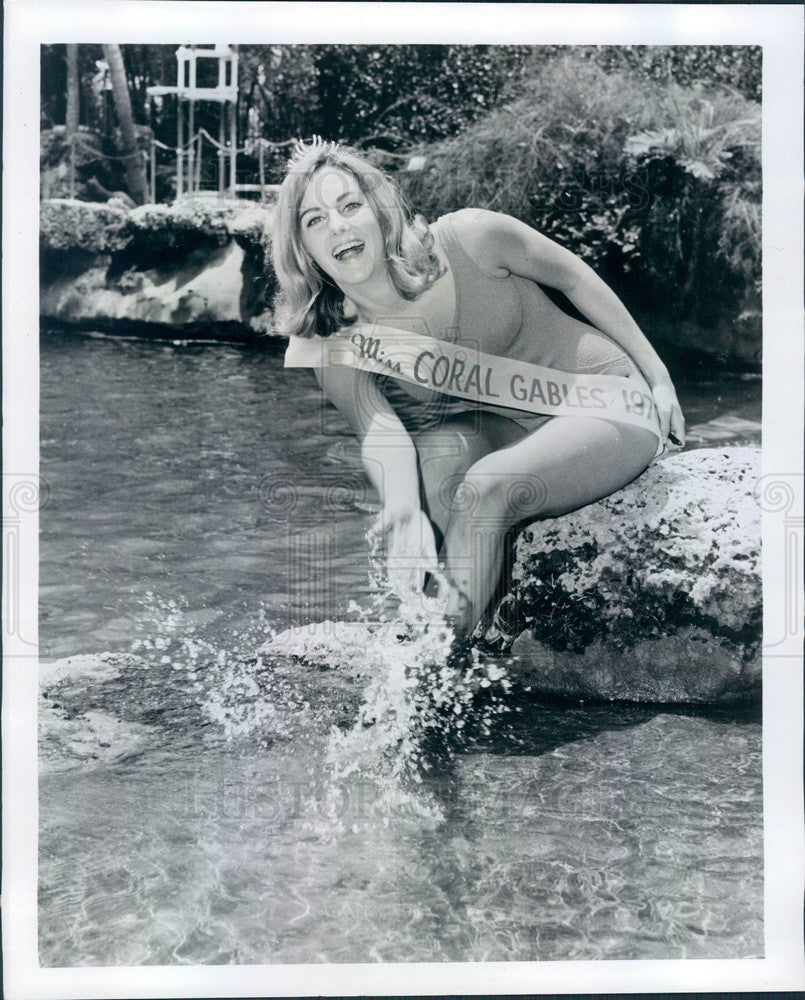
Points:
x=95 y=227
x=193 y=269
x=198 y=221
x=652 y=594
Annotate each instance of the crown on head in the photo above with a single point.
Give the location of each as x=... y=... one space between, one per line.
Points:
x=303 y=151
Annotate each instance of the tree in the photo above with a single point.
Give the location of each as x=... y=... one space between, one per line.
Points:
x=72 y=113
x=132 y=158
x=72 y=110
x=394 y=96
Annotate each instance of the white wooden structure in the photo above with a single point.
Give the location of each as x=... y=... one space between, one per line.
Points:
x=188 y=91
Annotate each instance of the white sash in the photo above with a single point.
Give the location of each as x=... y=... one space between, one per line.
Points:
x=467 y=373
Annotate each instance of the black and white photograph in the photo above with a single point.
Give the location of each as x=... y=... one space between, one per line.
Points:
x=402 y=499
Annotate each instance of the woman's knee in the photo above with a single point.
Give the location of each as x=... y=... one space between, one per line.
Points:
x=508 y=487
x=605 y=464
x=638 y=448
x=459 y=438
x=492 y=490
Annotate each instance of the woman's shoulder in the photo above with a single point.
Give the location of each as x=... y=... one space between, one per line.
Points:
x=482 y=235
x=464 y=219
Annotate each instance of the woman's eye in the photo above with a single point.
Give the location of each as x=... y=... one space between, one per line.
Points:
x=312 y=220
x=352 y=206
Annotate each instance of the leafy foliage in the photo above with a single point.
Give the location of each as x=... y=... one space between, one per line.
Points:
x=738 y=67
x=99 y=172
x=658 y=187
x=705 y=134
x=396 y=95
x=554 y=157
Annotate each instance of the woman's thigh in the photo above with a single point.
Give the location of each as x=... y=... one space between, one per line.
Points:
x=565 y=464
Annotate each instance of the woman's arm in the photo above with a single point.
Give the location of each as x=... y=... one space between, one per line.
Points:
x=387 y=451
x=502 y=244
x=596 y=300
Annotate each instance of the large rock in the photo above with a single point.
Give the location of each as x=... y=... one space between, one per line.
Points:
x=94 y=227
x=653 y=594
x=193 y=269
x=200 y=289
x=69 y=224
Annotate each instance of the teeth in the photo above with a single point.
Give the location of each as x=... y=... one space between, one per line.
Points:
x=340 y=251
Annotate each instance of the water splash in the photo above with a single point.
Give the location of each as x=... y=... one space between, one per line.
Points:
x=376 y=698
x=172 y=633
x=222 y=674
x=423 y=693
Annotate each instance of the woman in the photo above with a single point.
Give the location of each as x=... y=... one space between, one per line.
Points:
x=347 y=252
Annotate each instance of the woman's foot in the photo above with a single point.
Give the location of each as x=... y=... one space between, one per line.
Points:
x=508 y=618
x=458 y=610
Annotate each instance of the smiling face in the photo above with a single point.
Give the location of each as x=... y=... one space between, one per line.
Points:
x=339 y=229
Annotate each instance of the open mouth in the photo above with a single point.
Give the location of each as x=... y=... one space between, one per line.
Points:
x=349 y=251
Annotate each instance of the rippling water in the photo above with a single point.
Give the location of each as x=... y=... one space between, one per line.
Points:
x=196 y=495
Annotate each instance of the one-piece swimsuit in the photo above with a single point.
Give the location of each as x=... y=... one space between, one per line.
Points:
x=516 y=310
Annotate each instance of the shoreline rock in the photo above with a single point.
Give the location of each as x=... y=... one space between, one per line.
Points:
x=91 y=738
x=652 y=594
x=191 y=270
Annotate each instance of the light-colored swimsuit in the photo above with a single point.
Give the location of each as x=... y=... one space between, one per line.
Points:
x=507 y=307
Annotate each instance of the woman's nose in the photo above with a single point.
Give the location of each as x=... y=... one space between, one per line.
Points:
x=336 y=221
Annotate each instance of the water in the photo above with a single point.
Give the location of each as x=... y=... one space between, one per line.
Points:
x=188 y=815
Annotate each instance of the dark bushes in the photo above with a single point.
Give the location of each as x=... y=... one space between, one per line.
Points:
x=655 y=185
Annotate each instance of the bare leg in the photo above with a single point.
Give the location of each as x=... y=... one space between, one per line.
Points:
x=446 y=453
x=565 y=464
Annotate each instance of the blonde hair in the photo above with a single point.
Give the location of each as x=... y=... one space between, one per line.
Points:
x=308 y=301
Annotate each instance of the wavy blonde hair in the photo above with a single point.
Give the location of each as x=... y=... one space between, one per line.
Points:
x=308 y=301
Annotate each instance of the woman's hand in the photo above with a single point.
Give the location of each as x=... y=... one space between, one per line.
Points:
x=407 y=536
x=672 y=422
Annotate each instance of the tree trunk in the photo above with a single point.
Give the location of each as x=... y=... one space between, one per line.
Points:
x=133 y=160
x=71 y=112
x=71 y=117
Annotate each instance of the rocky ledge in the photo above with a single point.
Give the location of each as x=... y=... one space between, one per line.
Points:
x=653 y=594
x=194 y=269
